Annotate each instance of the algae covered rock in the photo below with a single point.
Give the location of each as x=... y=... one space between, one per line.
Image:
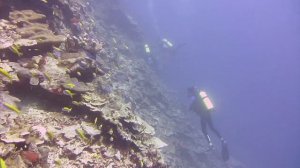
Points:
x=7 y=34
x=90 y=129
x=5 y=149
x=155 y=142
x=31 y=27
x=77 y=86
x=26 y=32
x=12 y=139
x=25 y=42
x=16 y=162
x=80 y=66
x=27 y=16
x=70 y=131
x=94 y=101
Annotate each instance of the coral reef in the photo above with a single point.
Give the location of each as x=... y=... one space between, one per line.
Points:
x=74 y=92
x=49 y=79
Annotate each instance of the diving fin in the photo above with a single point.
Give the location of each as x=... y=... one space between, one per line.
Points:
x=225 y=152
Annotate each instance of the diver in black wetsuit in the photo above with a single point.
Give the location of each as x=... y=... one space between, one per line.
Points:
x=203 y=106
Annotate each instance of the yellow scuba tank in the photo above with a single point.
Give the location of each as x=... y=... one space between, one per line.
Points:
x=206 y=101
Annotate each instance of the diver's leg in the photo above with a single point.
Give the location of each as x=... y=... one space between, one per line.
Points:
x=204 y=131
x=211 y=125
x=225 y=152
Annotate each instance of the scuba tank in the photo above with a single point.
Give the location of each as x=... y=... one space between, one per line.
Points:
x=167 y=43
x=205 y=100
x=147 y=48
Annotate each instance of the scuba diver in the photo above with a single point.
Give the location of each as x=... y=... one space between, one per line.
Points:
x=149 y=55
x=161 y=53
x=204 y=107
x=168 y=48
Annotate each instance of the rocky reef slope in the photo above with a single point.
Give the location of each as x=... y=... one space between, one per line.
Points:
x=75 y=92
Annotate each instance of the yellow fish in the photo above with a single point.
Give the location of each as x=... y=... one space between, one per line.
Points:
x=51 y=135
x=5 y=73
x=12 y=107
x=67 y=109
x=2 y=163
x=56 y=48
x=81 y=134
x=16 y=50
x=76 y=103
x=69 y=92
x=71 y=85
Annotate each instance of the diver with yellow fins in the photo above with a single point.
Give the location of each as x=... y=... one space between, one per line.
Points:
x=204 y=107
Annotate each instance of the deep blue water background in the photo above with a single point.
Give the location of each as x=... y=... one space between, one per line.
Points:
x=246 y=54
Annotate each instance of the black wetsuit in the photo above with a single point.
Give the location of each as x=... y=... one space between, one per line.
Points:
x=199 y=107
x=206 y=119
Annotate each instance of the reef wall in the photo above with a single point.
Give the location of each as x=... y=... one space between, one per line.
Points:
x=75 y=91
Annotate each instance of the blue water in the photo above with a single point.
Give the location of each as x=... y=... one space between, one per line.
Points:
x=246 y=55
